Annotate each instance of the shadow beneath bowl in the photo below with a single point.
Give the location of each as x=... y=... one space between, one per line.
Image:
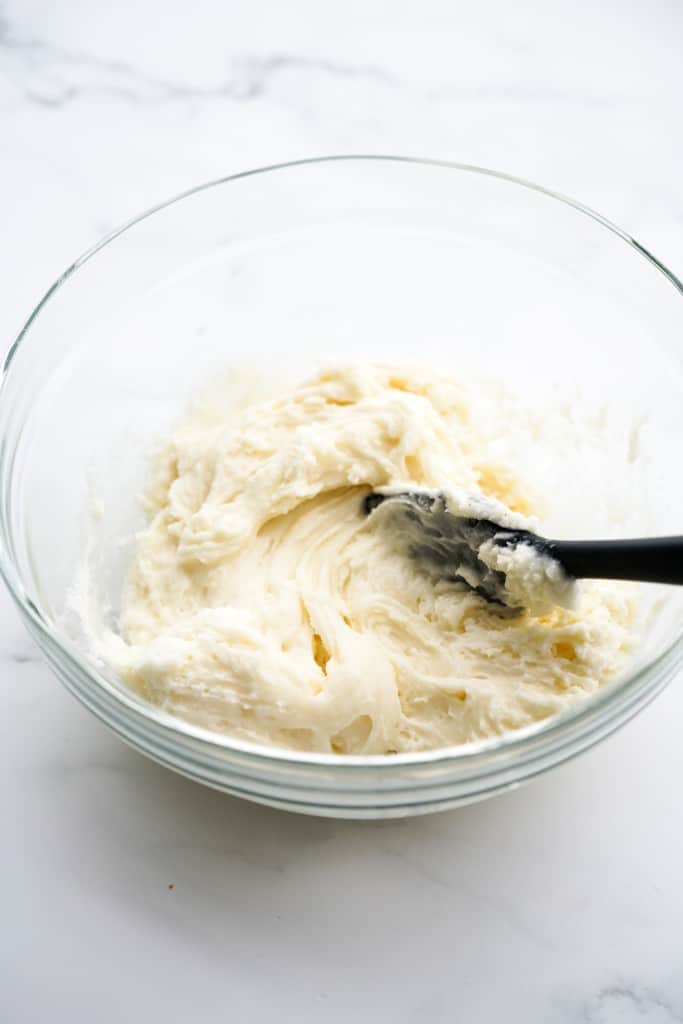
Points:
x=205 y=894
x=171 y=848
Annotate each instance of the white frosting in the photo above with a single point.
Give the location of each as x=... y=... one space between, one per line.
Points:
x=533 y=580
x=263 y=604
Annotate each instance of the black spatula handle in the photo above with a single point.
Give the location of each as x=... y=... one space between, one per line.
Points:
x=649 y=559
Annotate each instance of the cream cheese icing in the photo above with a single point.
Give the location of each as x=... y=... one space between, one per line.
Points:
x=263 y=604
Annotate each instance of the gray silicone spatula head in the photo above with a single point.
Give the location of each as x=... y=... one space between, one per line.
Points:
x=453 y=538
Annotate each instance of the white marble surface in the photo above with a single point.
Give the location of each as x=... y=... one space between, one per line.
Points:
x=560 y=902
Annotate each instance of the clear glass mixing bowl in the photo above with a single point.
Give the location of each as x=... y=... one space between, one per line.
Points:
x=283 y=267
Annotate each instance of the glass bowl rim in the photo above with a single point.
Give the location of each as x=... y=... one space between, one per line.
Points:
x=586 y=710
